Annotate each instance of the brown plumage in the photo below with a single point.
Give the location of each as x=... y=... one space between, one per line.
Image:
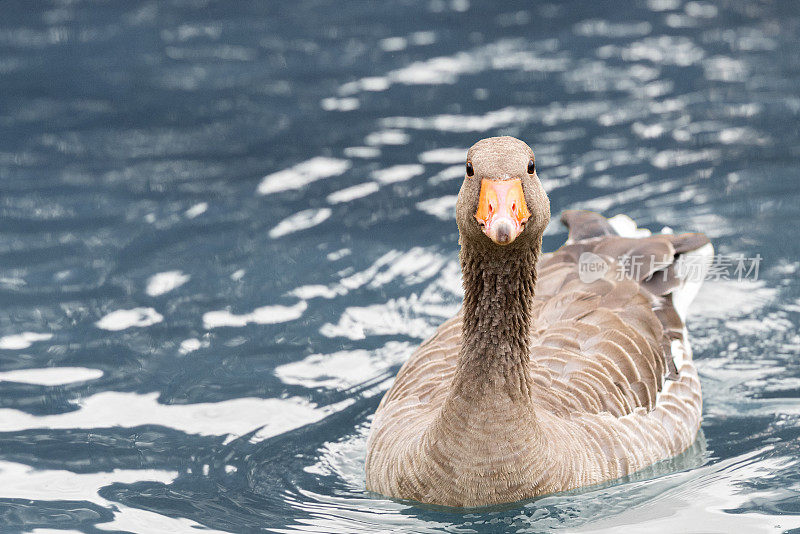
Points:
x=542 y=382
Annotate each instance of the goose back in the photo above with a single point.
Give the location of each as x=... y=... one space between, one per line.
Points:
x=615 y=388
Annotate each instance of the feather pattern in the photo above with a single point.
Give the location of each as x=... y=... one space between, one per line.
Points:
x=609 y=385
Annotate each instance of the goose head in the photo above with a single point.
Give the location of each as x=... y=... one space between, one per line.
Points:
x=501 y=201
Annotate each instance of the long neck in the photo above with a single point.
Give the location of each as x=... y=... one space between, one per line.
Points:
x=499 y=286
x=487 y=428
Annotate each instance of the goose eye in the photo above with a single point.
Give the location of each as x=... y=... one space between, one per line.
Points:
x=531 y=167
x=470 y=170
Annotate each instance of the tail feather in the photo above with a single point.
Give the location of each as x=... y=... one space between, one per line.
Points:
x=680 y=262
x=692 y=267
x=583 y=224
x=687 y=242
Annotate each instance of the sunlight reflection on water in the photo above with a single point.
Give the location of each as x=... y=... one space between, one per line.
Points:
x=224 y=229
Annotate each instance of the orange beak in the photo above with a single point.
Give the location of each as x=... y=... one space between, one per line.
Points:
x=502 y=211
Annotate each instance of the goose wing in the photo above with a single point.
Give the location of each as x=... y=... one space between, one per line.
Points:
x=599 y=346
x=602 y=337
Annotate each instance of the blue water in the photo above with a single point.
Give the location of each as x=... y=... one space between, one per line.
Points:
x=225 y=225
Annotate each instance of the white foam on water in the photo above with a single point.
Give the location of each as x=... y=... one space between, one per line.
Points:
x=188 y=31
x=220 y=52
x=365 y=152
x=302 y=174
x=604 y=28
x=340 y=104
x=311 y=291
x=12 y=282
x=358 y=279
x=678 y=158
x=302 y=220
x=395 y=317
x=443 y=207
x=416 y=315
x=706 y=496
x=122 y=319
x=726 y=69
x=412 y=267
x=387 y=137
x=393 y=44
x=663 y=5
x=51 y=376
x=463 y=123
x=374 y=83
x=647 y=190
x=191 y=345
x=505 y=54
x=720 y=299
x=352 y=193
x=344 y=369
x=262 y=315
x=415 y=266
x=660 y=50
x=338 y=254
x=704 y=10
x=21 y=481
x=434 y=71
x=129 y=519
x=351 y=281
x=398 y=173
x=762 y=327
x=648 y=131
x=679 y=20
x=452 y=172
x=196 y=210
x=370 y=84
x=234 y=417
x=23 y=340
x=444 y=155
x=344 y=459
x=423 y=38
x=161 y=283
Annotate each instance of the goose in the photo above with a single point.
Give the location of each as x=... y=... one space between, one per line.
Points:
x=560 y=370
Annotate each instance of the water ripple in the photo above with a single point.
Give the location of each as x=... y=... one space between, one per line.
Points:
x=224 y=229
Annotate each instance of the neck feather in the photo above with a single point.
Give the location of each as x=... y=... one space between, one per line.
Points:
x=499 y=286
x=488 y=417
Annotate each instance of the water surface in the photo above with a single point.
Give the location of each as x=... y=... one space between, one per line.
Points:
x=224 y=226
